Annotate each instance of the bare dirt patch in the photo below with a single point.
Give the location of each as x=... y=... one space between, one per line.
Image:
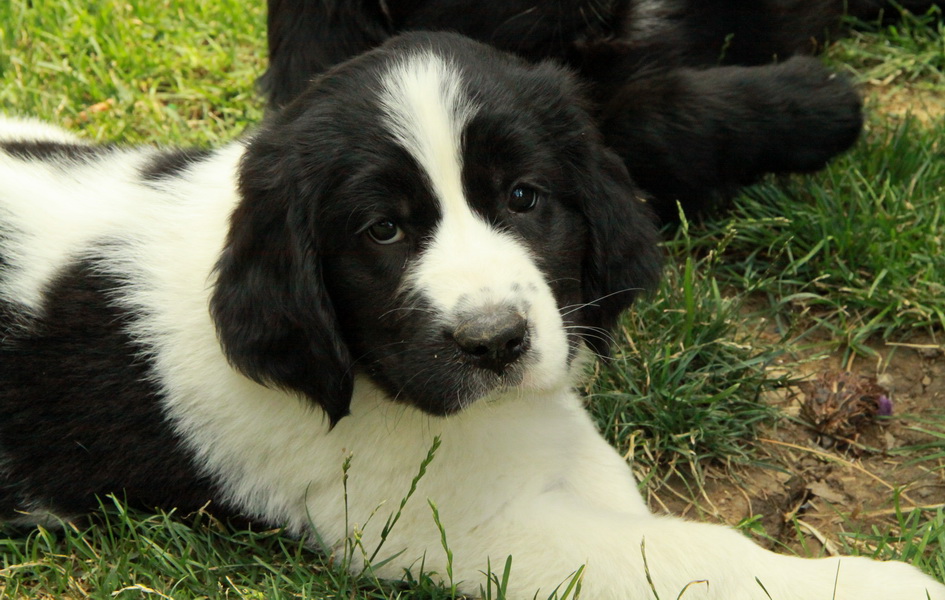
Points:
x=897 y=100
x=806 y=487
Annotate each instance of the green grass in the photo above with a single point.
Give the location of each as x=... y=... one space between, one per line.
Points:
x=162 y=71
x=684 y=384
x=909 y=52
x=128 y=554
x=858 y=249
x=847 y=259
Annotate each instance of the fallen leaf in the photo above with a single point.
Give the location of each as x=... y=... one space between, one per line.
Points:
x=822 y=490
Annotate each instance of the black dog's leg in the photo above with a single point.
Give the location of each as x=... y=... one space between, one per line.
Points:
x=307 y=37
x=696 y=136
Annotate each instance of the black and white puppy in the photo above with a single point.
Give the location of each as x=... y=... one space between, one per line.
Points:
x=698 y=97
x=418 y=248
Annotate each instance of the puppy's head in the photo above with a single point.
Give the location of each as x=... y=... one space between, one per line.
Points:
x=436 y=215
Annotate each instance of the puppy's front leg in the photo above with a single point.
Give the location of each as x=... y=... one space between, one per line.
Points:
x=631 y=556
x=534 y=480
x=587 y=513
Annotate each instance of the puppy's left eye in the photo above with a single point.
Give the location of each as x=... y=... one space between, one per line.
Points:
x=523 y=198
x=385 y=231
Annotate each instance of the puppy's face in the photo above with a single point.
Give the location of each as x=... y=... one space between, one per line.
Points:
x=436 y=215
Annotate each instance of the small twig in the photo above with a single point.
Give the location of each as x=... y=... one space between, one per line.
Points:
x=829 y=546
x=141 y=588
x=891 y=511
x=916 y=346
x=26 y=565
x=655 y=497
x=751 y=509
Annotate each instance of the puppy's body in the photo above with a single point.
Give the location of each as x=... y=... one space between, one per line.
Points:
x=415 y=250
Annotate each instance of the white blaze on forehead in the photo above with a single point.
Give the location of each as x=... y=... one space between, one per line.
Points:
x=468 y=264
x=426 y=108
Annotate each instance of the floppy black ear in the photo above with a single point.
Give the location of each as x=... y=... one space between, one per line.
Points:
x=273 y=315
x=623 y=257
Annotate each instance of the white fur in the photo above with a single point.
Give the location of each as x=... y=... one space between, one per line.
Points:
x=60 y=211
x=524 y=473
x=22 y=128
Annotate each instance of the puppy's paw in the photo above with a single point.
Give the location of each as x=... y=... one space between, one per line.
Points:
x=864 y=579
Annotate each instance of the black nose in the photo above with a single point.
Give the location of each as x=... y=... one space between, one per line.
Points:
x=493 y=339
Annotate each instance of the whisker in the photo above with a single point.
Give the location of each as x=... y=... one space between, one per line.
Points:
x=576 y=307
x=421 y=309
x=593 y=332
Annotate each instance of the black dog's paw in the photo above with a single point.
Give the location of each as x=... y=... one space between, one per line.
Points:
x=815 y=115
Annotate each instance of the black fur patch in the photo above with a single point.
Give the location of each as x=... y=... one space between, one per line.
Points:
x=48 y=151
x=78 y=416
x=171 y=163
x=9 y=314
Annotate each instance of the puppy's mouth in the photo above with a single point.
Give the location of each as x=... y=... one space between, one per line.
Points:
x=481 y=386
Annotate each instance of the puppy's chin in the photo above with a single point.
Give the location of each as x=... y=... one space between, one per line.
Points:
x=450 y=389
x=539 y=381
x=461 y=385
x=444 y=389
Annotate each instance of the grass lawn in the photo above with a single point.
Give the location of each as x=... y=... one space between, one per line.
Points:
x=723 y=387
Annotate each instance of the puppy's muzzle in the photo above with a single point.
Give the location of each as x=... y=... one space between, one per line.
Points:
x=492 y=338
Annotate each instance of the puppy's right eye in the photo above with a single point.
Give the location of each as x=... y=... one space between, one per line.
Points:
x=523 y=198
x=385 y=231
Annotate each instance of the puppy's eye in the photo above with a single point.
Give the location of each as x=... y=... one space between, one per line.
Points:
x=523 y=198
x=385 y=232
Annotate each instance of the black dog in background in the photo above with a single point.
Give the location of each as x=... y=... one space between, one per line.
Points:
x=699 y=97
